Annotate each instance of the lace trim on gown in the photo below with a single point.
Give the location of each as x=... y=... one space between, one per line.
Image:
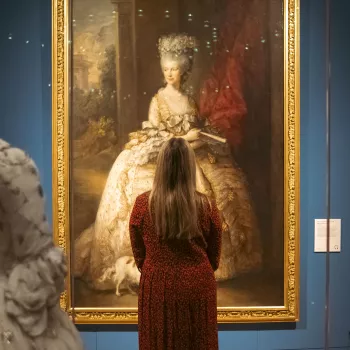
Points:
x=148 y=141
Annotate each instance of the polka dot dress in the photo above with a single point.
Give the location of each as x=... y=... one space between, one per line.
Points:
x=177 y=298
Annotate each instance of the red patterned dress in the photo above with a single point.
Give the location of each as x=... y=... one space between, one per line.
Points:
x=177 y=299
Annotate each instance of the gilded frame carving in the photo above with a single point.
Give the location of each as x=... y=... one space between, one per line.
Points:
x=61 y=176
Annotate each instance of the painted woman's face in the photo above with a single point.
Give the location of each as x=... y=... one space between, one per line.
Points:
x=172 y=72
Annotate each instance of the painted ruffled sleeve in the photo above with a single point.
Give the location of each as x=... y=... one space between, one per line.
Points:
x=214 y=238
x=147 y=142
x=135 y=229
x=153 y=112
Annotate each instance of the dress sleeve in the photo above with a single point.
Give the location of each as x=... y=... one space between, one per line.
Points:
x=214 y=238
x=135 y=229
x=153 y=113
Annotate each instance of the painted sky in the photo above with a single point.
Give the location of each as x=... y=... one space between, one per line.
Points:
x=93 y=31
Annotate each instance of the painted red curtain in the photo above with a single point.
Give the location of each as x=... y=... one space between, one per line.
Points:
x=239 y=67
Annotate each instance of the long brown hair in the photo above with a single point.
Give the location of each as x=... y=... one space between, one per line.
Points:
x=174 y=201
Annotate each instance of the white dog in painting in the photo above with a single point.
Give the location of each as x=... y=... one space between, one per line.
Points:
x=123 y=274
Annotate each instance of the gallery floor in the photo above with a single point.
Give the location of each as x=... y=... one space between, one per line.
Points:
x=251 y=290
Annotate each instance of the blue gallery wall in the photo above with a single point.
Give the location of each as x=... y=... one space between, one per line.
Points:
x=25 y=86
x=25 y=121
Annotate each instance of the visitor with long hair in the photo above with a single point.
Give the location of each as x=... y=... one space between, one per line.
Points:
x=175 y=235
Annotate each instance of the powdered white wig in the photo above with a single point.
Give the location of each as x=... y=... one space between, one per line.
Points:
x=179 y=48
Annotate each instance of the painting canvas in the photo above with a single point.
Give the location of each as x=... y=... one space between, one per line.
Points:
x=223 y=74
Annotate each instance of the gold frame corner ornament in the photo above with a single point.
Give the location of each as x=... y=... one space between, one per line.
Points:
x=289 y=312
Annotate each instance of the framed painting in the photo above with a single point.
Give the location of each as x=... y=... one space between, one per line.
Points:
x=129 y=74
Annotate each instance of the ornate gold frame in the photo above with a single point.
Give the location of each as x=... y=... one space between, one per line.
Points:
x=61 y=176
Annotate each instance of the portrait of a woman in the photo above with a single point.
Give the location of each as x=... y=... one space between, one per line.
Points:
x=172 y=113
x=208 y=72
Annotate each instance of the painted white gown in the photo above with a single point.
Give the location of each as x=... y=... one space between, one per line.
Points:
x=132 y=173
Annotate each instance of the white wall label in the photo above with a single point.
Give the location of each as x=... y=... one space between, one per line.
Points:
x=321 y=235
